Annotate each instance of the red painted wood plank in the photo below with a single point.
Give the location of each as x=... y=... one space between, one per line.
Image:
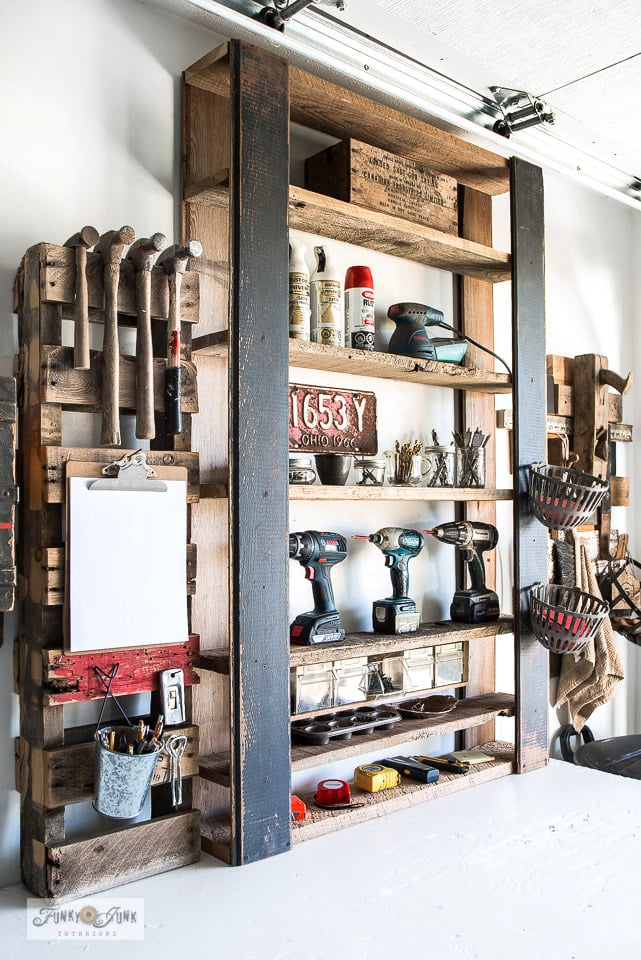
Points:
x=70 y=677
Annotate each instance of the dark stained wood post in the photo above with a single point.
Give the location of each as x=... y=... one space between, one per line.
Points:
x=258 y=454
x=529 y=437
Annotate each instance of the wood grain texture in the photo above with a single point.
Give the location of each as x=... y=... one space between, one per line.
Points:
x=408 y=794
x=379 y=231
x=258 y=484
x=530 y=537
x=70 y=677
x=341 y=113
x=387 y=366
x=59 y=285
x=477 y=410
x=84 y=867
x=63 y=384
x=8 y=494
x=56 y=458
x=65 y=775
x=390 y=492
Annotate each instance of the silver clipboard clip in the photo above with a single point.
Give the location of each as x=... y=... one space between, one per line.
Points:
x=131 y=472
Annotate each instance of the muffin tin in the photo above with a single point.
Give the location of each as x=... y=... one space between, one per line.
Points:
x=341 y=726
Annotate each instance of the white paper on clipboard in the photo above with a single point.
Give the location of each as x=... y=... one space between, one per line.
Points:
x=126 y=574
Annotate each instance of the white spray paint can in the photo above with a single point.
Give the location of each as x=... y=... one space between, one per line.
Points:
x=299 y=296
x=328 y=323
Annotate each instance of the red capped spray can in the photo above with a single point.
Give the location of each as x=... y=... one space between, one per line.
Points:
x=359 y=308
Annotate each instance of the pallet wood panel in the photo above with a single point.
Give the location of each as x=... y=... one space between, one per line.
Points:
x=258 y=484
x=390 y=492
x=55 y=460
x=70 y=677
x=530 y=537
x=342 y=113
x=82 y=388
x=8 y=494
x=477 y=410
x=564 y=426
x=58 y=285
x=142 y=850
x=408 y=794
x=65 y=775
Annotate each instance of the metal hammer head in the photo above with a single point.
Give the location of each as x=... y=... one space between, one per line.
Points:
x=174 y=259
x=112 y=243
x=143 y=252
x=86 y=237
x=613 y=379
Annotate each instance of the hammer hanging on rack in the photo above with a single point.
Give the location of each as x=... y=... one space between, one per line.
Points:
x=87 y=237
x=174 y=260
x=142 y=255
x=110 y=247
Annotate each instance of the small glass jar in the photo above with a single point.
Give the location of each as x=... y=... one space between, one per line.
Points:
x=470 y=466
x=442 y=465
x=301 y=470
x=406 y=471
x=370 y=471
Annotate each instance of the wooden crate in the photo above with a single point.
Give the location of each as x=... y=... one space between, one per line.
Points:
x=359 y=173
x=54 y=762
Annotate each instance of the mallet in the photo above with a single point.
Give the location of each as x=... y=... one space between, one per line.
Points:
x=81 y=242
x=142 y=255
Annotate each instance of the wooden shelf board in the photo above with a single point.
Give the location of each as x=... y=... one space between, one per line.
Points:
x=385 y=366
x=410 y=793
x=389 y=366
x=215 y=837
x=390 y=492
x=322 y=105
x=373 y=230
x=215 y=659
x=467 y=713
x=368 y=644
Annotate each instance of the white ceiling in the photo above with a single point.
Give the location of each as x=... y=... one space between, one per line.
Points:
x=582 y=56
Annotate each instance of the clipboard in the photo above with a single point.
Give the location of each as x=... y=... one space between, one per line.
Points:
x=126 y=555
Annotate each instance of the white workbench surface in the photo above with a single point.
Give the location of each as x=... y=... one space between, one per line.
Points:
x=546 y=865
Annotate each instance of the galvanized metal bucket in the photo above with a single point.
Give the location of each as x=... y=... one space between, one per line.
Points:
x=121 y=780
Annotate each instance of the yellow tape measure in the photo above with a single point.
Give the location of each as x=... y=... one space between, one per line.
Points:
x=373 y=777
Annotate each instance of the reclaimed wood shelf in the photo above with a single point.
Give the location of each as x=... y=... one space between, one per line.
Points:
x=468 y=713
x=216 y=659
x=381 y=232
x=391 y=492
x=373 y=644
x=371 y=363
x=55 y=763
x=408 y=794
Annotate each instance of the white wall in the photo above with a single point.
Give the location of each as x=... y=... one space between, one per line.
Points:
x=90 y=123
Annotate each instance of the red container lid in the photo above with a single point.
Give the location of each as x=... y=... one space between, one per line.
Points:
x=329 y=792
x=358 y=277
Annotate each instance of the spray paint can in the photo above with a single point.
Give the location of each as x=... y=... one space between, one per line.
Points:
x=299 y=305
x=359 y=308
x=328 y=323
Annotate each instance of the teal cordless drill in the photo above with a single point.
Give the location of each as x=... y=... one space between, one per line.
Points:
x=398 y=613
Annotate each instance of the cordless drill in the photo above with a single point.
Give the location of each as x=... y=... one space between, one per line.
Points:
x=318 y=553
x=478 y=604
x=398 y=613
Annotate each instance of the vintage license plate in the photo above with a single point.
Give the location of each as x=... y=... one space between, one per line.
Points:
x=331 y=420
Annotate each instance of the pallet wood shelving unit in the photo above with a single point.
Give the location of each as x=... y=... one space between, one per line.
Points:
x=238 y=104
x=54 y=759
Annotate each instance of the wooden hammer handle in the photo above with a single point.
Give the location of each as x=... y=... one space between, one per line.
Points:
x=145 y=426
x=110 y=428
x=81 y=312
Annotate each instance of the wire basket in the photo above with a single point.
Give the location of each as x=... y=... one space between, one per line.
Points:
x=563 y=497
x=565 y=619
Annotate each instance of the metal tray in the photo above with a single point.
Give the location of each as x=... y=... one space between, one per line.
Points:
x=433 y=706
x=342 y=726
